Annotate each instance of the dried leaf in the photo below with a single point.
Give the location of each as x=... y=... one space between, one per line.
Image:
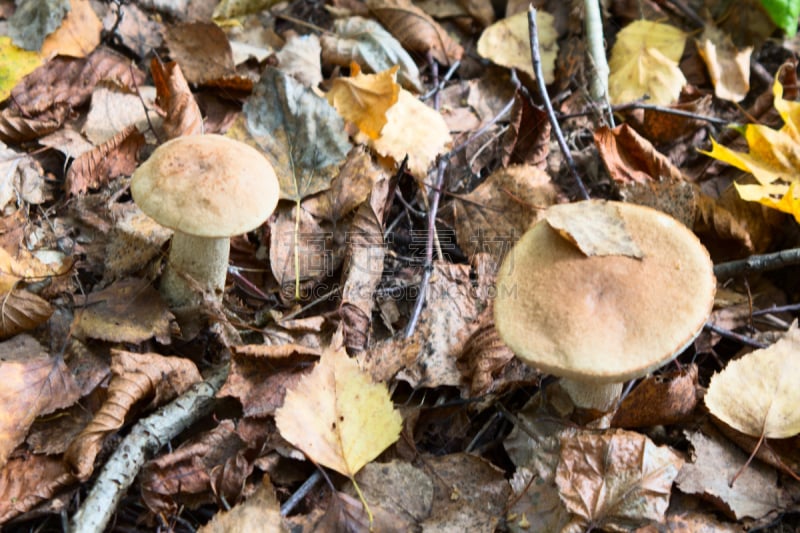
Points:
x=135 y=377
x=115 y=157
x=33 y=20
x=364 y=99
x=663 y=399
x=527 y=140
x=19 y=128
x=34 y=384
x=300 y=237
x=337 y=416
x=183 y=116
x=596 y=228
x=644 y=61
x=22 y=311
x=78 y=35
x=770 y=377
x=416 y=30
x=301 y=134
x=629 y=157
x=367 y=43
x=114 y=108
x=201 y=49
x=300 y=57
x=728 y=67
x=17 y=63
x=616 y=480
x=29 y=481
x=260 y=512
x=507 y=43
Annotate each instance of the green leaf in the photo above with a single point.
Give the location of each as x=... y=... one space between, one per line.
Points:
x=784 y=14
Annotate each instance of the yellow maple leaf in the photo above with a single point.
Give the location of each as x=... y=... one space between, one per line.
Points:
x=337 y=416
x=364 y=99
x=773 y=158
x=771 y=377
x=644 y=61
x=507 y=43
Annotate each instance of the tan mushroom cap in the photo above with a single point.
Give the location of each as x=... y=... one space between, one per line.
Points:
x=206 y=186
x=605 y=319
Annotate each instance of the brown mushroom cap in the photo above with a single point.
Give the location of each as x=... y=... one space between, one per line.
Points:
x=605 y=319
x=206 y=186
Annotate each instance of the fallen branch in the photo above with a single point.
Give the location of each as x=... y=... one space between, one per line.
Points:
x=146 y=438
x=758 y=263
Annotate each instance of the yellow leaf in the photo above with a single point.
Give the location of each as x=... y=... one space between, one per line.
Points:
x=78 y=34
x=364 y=99
x=644 y=61
x=771 y=379
x=337 y=416
x=728 y=67
x=412 y=129
x=16 y=64
x=507 y=43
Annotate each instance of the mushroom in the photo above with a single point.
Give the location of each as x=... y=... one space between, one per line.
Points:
x=206 y=188
x=598 y=321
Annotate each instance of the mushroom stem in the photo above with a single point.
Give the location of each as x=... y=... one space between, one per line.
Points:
x=596 y=396
x=194 y=261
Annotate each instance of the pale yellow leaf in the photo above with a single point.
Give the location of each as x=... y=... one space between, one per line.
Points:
x=364 y=99
x=759 y=393
x=596 y=228
x=507 y=43
x=728 y=66
x=337 y=416
x=412 y=129
x=644 y=61
x=78 y=34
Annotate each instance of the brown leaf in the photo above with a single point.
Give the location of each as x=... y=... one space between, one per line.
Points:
x=416 y=30
x=307 y=240
x=630 y=157
x=16 y=127
x=115 y=157
x=387 y=357
x=492 y=217
x=28 y=481
x=135 y=377
x=662 y=399
x=527 y=140
x=398 y=488
x=33 y=384
x=129 y=310
x=260 y=375
x=183 y=116
x=71 y=81
x=617 y=479
x=667 y=128
x=260 y=512
x=201 y=49
x=22 y=311
x=186 y=475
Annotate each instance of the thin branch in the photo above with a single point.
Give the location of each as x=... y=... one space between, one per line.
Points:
x=146 y=438
x=758 y=263
x=738 y=337
x=537 y=69
x=671 y=111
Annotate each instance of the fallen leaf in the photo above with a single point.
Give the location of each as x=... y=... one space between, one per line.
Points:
x=18 y=128
x=507 y=43
x=115 y=157
x=34 y=20
x=22 y=311
x=728 y=66
x=416 y=30
x=133 y=242
x=78 y=35
x=616 y=479
x=412 y=129
x=644 y=61
x=114 y=108
x=337 y=416
x=527 y=140
x=300 y=58
x=29 y=481
x=364 y=99
x=770 y=377
x=136 y=377
x=261 y=511
x=34 y=384
x=17 y=63
x=596 y=228
x=300 y=251
x=367 y=43
x=182 y=114
x=715 y=462
x=399 y=488
x=201 y=49
x=629 y=157
x=663 y=399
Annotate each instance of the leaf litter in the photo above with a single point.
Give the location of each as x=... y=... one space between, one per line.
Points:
x=411 y=157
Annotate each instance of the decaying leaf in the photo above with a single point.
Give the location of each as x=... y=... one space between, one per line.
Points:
x=34 y=384
x=201 y=49
x=596 y=228
x=300 y=57
x=115 y=157
x=364 y=99
x=728 y=67
x=644 y=61
x=30 y=481
x=260 y=512
x=22 y=311
x=337 y=416
x=629 y=157
x=663 y=399
x=416 y=30
x=34 y=20
x=771 y=377
x=17 y=63
x=114 y=108
x=135 y=377
x=174 y=97
x=78 y=35
x=616 y=480
x=507 y=43
x=367 y=43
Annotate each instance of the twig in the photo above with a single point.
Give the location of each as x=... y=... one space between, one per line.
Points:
x=670 y=111
x=598 y=80
x=439 y=86
x=537 y=68
x=146 y=437
x=301 y=493
x=758 y=263
x=738 y=337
